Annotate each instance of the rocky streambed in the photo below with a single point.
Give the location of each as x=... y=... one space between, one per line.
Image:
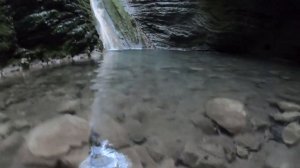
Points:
x=34 y=98
x=162 y=109
x=198 y=110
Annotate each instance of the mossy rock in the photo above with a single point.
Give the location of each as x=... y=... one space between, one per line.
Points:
x=122 y=20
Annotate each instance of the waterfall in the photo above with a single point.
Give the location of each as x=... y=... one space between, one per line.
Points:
x=111 y=38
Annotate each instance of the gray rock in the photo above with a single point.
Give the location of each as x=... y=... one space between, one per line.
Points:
x=5 y=129
x=280 y=156
x=11 y=141
x=156 y=149
x=3 y=118
x=168 y=163
x=146 y=159
x=288 y=106
x=242 y=152
x=286 y=117
x=21 y=124
x=56 y=136
x=195 y=157
x=251 y=141
x=291 y=133
x=259 y=123
x=136 y=133
x=69 y=107
x=228 y=113
x=110 y=130
x=133 y=156
x=206 y=125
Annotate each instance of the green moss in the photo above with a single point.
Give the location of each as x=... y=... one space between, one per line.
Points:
x=122 y=20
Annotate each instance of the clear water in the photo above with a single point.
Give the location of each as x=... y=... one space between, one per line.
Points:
x=161 y=92
x=154 y=94
x=38 y=96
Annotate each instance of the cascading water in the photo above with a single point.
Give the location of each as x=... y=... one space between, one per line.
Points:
x=111 y=38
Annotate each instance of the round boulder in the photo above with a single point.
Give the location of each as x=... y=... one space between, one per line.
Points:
x=227 y=113
x=57 y=136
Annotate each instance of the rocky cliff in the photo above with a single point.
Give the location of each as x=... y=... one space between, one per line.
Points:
x=256 y=26
x=46 y=28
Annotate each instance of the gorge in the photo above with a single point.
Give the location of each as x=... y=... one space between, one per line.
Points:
x=168 y=83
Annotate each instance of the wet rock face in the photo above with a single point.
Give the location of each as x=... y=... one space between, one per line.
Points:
x=223 y=25
x=51 y=28
x=7 y=33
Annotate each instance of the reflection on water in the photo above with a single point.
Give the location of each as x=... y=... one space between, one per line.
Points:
x=152 y=103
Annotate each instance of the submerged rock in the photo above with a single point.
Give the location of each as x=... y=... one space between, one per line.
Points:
x=286 y=117
x=228 y=113
x=110 y=130
x=251 y=141
x=5 y=129
x=56 y=136
x=3 y=118
x=288 y=106
x=21 y=124
x=195 y=157
x=242 y=152
x=69 y=107
x=205 y=124
x=291 y=134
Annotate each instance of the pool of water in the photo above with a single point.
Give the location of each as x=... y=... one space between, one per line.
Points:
x=150 y=104
x=157 y=96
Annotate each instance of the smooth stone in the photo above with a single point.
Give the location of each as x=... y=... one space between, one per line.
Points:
x=242 y=152
x=291 y=133
x=280 y=156
x=133 y=156
x=228 y=146
x=228 y=113
x=146 y=159
x=76 y=156
x=251 y=141
x=3 y=117
x=71 y=159
x=156 y=149
x=168 y=163
x=5 y=129
x=11 y=141
x=56 y=136
x=195 y=157
x=259 y=123
x=288 y=106
x=69 y=107
x=111 y=130
x=205 y=124
x=21 y=124
x=286 y=116
x=136 y=133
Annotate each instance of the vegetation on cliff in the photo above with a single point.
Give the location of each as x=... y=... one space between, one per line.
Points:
x=47 y=29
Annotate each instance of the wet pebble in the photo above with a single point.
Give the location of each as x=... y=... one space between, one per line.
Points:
x=195 y=157
x=288 y=106
x=5 y=130
x=286 y=117
x=3 y=117
x=242 y=152
x=291 y=133
x=21 y=124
